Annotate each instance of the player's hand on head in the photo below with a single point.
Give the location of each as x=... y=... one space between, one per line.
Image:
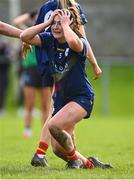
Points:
x=65 y=16
x=25 y=48
x=54 y=13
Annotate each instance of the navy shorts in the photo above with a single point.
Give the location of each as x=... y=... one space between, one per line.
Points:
x=84 y=101
x=31 y=77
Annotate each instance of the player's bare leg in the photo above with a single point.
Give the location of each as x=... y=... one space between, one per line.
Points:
x=29 y=96
x=61 y=127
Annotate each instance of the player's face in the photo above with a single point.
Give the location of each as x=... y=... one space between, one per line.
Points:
x=56 y=29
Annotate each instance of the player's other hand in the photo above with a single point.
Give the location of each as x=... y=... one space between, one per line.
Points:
x=25 y=48
x=97 y=72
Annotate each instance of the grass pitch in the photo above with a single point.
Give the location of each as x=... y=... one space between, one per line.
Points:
x=110 y=139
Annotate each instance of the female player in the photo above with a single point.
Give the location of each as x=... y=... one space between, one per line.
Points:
x=42 y=57
x=67 y=51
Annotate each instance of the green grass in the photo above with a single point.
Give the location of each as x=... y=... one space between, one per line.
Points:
x=120 y=95
x=109 y=138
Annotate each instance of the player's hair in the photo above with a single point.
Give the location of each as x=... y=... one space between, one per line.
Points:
x=76 y=19
x=71 y=2
x=71 y=5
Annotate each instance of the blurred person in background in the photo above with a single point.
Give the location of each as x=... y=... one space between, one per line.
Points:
x=19 y=71
x=5 y=60
x=31 y=79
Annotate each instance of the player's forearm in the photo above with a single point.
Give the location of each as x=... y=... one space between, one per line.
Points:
x=91 y=56
x=72 y=38
x=97 y=70
x=29 y=34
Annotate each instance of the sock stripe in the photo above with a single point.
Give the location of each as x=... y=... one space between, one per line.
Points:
x=88 y=164
x=71 y=153
x=43 y=145
x=42 y=148
x=40 y=152
x=74 y=157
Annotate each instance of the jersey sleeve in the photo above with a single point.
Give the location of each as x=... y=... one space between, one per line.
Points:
x=85 y=47
x=46 y=39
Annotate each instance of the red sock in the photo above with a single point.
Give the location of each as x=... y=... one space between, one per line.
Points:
x=42 y=148
x=72 y=155
x=88 y=164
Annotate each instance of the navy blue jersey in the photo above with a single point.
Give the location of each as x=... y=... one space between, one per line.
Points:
x=44 y=14
x=67 y=67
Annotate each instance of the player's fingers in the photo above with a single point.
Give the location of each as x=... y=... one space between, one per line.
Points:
x=30 y=48
x=23 y=54
x=61 y=12
x=67 y=12
x=71 y=21
x=96 y=76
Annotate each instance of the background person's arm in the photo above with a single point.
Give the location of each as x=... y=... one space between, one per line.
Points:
x=9 y=30
x=90 y=56
x=20 y=21
x=92 y=60
x=25 y=20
